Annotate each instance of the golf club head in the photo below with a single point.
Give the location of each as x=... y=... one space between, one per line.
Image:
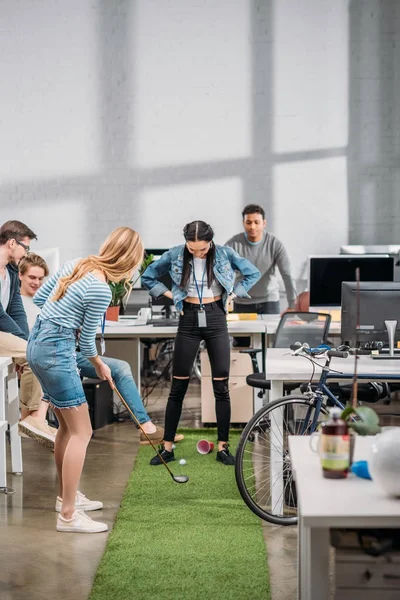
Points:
x=180 y=478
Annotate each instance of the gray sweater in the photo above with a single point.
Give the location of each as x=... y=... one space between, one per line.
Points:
x=266 y=255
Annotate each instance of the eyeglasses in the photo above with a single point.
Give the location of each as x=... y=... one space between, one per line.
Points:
x=25 y=247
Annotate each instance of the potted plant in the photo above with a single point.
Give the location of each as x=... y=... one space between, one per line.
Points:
x=361 y=420
x=121 y=290
x=118 y=291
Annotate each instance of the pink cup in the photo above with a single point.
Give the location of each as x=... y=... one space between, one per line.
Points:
x=204 y=446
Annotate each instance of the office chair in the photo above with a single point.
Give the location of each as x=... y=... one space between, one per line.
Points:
x=304 y=327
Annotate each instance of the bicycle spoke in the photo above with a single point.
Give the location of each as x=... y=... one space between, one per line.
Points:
x=263 y=459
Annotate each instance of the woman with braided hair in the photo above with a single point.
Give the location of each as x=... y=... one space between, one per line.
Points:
x=203 y=283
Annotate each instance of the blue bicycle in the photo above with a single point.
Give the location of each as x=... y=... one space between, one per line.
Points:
x=263 y=467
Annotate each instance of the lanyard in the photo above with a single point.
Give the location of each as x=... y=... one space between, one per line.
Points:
x=199 y=293
x=102 y=341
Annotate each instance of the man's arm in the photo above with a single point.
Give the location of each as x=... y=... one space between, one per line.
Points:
x=16 y=313
x=14 y=320
x=8 y=325
x=283 y=264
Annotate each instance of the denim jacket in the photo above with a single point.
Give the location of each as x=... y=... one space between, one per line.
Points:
x=226 y=263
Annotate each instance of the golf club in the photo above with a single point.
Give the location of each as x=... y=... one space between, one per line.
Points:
x=176 y=478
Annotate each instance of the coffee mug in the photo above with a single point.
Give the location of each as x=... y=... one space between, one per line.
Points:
x=315 y=441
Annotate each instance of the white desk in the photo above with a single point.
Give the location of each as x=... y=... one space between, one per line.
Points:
x=325 y=503
x=9 y=414
x=280 y=366
x=129 y=335
x=123 y=342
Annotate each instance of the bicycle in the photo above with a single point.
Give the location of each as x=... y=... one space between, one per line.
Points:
x=263 y=468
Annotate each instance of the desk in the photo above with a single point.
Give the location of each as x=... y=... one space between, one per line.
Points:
x=325 y=503
x=123 y=341
x=9 y=414
x=280 y=366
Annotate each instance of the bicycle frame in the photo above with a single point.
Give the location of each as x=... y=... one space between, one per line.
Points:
x=321 y=390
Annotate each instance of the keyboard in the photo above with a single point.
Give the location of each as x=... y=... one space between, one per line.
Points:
x=164 y=322
x=385 y=357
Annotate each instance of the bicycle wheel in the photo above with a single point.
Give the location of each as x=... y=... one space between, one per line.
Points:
x=263 y=468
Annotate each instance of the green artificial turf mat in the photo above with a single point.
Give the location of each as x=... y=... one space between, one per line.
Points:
x=189 y=541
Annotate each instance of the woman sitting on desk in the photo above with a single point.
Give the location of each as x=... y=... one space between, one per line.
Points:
x=203 y=277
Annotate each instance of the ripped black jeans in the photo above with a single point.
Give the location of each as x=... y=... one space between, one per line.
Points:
x=187 y=343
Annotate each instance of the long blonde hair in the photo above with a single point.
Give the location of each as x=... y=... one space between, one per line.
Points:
x=120 y=254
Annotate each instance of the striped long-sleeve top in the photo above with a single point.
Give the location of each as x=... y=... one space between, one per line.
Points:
x=83 y=305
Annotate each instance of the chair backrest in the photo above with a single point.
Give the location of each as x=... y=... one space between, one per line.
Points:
x=305 y=327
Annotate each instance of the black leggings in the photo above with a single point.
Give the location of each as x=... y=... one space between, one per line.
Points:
x=187 y=343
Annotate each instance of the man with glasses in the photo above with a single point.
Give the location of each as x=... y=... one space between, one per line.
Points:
x=15 y=238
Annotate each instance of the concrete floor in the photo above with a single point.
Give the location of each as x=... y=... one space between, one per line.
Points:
x=37 y=563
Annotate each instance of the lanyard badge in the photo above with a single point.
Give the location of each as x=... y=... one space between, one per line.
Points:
x=201 y=313
x=102 y=341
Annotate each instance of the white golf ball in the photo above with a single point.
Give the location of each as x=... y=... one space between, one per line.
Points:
x=182 y=461
x=173 y=446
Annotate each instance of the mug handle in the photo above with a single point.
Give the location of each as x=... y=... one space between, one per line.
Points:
x=313 y=436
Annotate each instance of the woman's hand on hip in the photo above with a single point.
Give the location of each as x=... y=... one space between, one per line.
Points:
x=229 y=302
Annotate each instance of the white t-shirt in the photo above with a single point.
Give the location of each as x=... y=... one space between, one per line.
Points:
x=216 y=288
x=32 y=311
x=5 y=290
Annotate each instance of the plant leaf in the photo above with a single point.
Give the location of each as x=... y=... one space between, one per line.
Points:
x=368 y=415
x=349 y=410
x=365 y=422
x=364 y=429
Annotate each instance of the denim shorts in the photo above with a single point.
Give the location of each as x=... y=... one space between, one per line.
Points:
x=51 y=354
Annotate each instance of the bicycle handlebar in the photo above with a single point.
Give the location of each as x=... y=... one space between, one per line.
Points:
x=337 y=354
x=322 y=350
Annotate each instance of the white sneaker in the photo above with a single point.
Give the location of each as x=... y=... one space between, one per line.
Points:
x=81 y=503
x=80 y=523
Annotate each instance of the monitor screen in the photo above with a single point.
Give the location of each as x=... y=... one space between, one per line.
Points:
x=379 y=302
x=326 y=274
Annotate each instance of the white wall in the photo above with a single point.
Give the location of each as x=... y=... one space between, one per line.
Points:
x=153 y=113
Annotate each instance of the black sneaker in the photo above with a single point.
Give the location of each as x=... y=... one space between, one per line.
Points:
x=167 y=456
x=225 y=456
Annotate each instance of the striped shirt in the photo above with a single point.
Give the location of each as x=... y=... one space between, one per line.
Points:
x=83 y=305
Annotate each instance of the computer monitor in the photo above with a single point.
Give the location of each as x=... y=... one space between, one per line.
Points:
x=390 y=249
x=326 y=274
x=379 y=319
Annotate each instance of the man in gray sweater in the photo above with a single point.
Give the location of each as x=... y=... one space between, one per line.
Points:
x=267 y=253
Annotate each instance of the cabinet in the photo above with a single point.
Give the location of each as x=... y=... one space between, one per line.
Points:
x=359 y=575
x=242 y=408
